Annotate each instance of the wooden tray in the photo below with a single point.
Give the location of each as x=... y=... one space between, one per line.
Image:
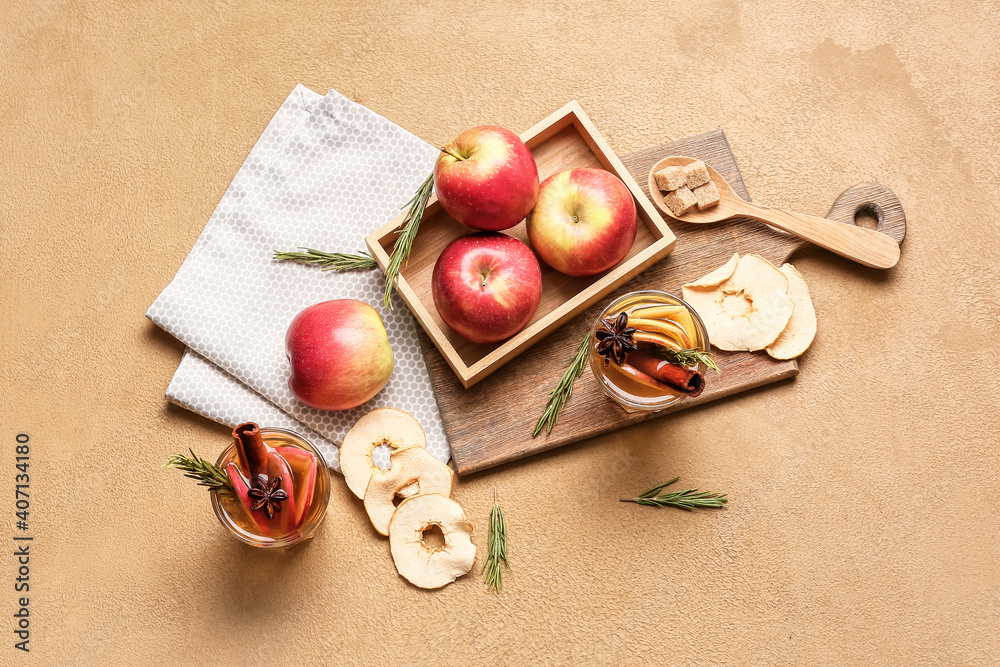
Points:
x=564 y=140
x=491 y=423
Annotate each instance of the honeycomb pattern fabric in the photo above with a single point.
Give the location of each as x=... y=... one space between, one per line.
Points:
x=326 y=172
x=202 y=387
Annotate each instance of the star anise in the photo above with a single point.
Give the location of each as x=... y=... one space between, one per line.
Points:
x=268 y=496
x=615 y=340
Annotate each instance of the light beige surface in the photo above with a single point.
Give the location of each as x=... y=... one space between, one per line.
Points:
x=863 y=526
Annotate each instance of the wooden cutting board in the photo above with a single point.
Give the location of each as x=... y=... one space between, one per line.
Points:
x=491 y=423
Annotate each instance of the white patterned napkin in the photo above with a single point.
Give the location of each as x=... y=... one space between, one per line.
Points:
x=325 y=173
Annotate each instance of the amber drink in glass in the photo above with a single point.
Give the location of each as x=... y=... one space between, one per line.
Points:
x=310 y=491
x=675 y=324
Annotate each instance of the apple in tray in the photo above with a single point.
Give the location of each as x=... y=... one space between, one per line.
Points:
x=339 y=353
x=486 y=178
x=584 y=222
x=486 y=286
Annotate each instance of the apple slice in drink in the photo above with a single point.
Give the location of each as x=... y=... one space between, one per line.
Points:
x=243 y=494
x=662 y=327
x=656 y=340
x=284 y=519
x=679 y=314
x=304 y=465
x=289 y=514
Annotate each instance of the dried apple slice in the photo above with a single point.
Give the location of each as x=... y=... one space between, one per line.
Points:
x=420 y=563
x=746 y=311
x=718 y=276
x=414 y=471
x=382 y=426
x=801 y=329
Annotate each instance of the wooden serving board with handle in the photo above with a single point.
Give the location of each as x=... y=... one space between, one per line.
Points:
x=491 y=423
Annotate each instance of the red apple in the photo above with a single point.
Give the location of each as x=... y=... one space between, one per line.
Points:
x=584 y=222
x=486 y=178
x=486 y=286
x=340 y=354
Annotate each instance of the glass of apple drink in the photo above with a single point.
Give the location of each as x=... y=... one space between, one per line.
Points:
x=282 y=487
x=649 y=350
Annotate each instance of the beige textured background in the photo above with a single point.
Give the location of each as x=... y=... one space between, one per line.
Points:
x=863 y=526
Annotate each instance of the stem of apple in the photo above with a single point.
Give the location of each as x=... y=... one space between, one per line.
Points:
x=457 y=157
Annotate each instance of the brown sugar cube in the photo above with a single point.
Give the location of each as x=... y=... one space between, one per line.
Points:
x=669 y=179
x=707 y=195
x=696 y=174
x=681 y=200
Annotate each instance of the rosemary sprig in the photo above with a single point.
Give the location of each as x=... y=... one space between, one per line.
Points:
x=207 y=474
x=497 y=544
x=407 y=232
x=689 y=356
x=563 y=390
x=689 y=499
x=330 y=261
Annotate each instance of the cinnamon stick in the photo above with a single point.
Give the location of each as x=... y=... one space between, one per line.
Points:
x=664 y=374
x=251 y=450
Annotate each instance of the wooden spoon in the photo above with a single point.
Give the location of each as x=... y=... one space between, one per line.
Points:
x=863 y=245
